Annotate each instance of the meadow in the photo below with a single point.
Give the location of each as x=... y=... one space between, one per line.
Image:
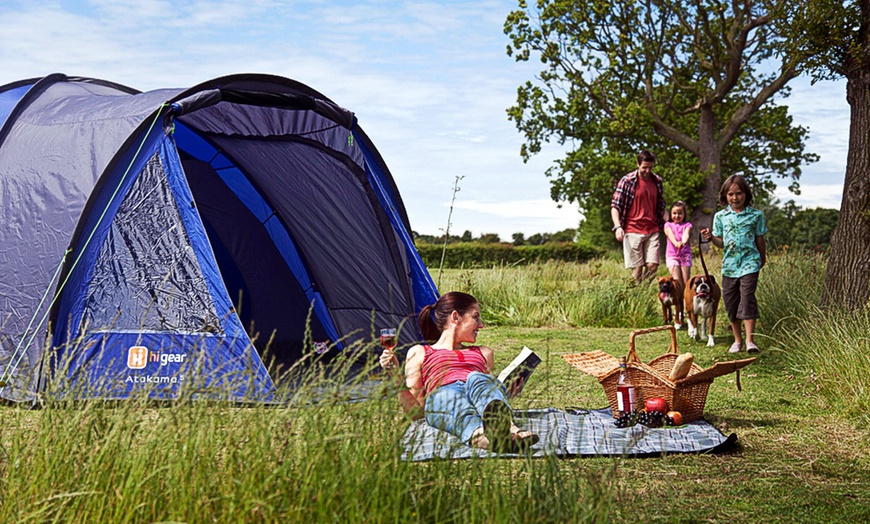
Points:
x=329 y=455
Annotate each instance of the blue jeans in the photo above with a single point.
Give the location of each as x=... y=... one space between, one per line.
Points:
x=457 y=408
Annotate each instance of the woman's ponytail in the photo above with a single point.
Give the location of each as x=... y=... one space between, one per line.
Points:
x=433 y=317
x=430 y=331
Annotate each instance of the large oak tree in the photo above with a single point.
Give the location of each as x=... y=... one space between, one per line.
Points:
x=692 y=80
x=832 y=39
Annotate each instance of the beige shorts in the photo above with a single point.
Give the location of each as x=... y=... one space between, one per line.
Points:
x=640 y=250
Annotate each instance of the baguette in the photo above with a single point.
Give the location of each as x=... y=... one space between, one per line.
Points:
x=682 y=366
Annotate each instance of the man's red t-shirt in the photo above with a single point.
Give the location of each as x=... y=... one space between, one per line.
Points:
x=641 y=217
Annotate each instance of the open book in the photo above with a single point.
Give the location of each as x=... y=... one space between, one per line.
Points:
x=516 y=373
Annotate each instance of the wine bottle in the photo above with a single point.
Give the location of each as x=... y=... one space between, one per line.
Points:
x=625 y=392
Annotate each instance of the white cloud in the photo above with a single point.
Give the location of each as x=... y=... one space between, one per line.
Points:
x=825 y=195
x=522 y=209
x=508 y=217
x=823 y=109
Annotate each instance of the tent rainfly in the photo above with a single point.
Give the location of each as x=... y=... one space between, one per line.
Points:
x=147 y=237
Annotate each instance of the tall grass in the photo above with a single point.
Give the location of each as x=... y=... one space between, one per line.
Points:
x=597 y=293
x=601 y=293
x=326 y=456
x=833 y=349
x=829 y=347
x=789 y=287
x=321 y=457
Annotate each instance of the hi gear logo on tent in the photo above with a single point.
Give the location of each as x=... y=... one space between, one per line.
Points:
x=137 y=357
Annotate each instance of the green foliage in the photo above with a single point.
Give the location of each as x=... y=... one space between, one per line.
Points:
x=787 y=286
x=477 y=254
x=831 y=39
x=489 y=238
x=323 y=457
x=566 y=235
x=326 y=457
x=689 y=81
x=602 y=293
x=598 y=293
x=517 y=239
x=832 y=348
x=828 y=38
x=795 y=227
x=596 y=229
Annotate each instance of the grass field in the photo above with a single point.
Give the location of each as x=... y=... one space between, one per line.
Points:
x=802 y=453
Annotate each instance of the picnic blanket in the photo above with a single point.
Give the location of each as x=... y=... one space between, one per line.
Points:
x=575 y=432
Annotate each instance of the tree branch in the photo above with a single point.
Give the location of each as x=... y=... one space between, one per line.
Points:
x=743 y=113
x=737 y=40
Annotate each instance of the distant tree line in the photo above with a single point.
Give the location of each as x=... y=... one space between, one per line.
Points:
x=792 y=226
x=789 y=225
x=517 y=239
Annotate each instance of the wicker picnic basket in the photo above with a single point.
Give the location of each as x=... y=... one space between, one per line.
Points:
x=686 y=395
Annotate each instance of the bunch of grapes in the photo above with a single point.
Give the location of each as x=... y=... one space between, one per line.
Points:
x=627 y=419
x=651 y=419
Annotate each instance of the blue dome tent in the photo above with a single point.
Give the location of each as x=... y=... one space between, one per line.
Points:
x=147 y=236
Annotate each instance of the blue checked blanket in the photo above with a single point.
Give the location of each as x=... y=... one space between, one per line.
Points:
x=575 y=432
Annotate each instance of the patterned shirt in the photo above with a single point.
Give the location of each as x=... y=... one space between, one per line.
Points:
x=624 y=196
x=738 y=232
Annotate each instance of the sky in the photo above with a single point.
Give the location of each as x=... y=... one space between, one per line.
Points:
x=429 y=82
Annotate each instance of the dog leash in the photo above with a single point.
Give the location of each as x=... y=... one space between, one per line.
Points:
x=701 y=254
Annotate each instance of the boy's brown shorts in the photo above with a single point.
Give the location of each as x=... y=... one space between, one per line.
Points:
x=738 y=294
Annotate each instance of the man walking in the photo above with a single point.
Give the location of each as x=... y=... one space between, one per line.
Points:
x=638 y=214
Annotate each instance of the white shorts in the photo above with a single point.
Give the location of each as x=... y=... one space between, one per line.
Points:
x=640 y=250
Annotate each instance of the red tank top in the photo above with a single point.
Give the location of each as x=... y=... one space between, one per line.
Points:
x=445 y=366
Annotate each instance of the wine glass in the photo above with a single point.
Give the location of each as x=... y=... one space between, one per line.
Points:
x=388 y=342
x=388 y=338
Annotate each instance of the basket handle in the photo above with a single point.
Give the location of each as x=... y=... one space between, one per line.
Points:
x=632 y=354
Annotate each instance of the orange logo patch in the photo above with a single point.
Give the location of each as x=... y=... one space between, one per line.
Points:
x=137 y=357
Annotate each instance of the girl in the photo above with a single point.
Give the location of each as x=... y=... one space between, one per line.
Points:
x=679 y=253
x=739 y=229
x=454 y=383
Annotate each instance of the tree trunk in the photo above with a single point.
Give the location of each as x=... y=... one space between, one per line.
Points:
x=709 y=158
x=847 y=277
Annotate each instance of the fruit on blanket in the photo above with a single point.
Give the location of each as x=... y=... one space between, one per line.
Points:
x=676 y=418
x=657 y=404
x=627 y=419
x=651 y=419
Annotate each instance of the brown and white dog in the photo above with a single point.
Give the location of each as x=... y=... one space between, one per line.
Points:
x=702 y=296
x=671 y=296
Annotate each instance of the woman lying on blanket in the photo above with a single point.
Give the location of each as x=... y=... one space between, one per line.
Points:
x=454 y=383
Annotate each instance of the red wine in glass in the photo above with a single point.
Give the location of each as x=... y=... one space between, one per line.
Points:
x=388 y=338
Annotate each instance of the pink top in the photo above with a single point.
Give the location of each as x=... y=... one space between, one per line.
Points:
x=678 y=229
x=445 y=366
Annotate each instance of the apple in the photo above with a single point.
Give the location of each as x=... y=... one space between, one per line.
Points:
x=677 y=417
x=656 y=404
